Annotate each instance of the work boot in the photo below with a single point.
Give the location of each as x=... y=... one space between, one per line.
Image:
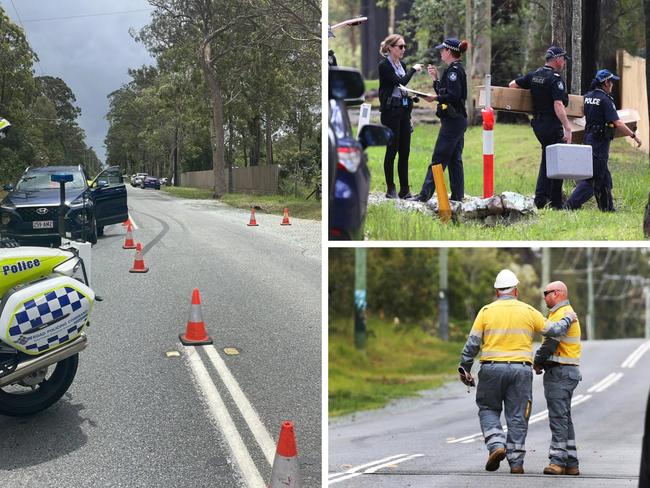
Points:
x=572 y=470
x=554 y=469
x=495 y=458
x=516 y=470
x=391 y=192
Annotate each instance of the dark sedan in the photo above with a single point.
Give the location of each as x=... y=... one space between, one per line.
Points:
x=30 y=211
x=151 y=182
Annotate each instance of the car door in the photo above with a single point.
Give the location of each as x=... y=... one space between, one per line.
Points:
x=109 y=195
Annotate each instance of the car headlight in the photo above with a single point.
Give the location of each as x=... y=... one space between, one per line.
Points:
x=75 y=204
x=7 y=206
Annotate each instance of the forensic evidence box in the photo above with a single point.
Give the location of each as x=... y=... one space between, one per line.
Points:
x=520 y=100
x=569 y=162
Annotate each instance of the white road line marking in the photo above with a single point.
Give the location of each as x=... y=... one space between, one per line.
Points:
x=632 y=359
x=222 y=418
x=375 y=468
x=609 y=383
x=260 y=433
x=601 y=382
x=538 y=417
x=371 y=463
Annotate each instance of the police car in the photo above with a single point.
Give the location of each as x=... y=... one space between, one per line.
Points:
x=29 y=213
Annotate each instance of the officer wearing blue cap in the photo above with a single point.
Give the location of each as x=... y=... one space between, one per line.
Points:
x=451 y=93
x=550 y=122
x=601 y=123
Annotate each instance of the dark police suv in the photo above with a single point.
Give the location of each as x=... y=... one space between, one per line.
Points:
x=30 y=211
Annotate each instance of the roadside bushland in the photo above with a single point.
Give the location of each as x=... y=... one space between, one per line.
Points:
x=517 y=155
x=298 y=207
x=399 y=360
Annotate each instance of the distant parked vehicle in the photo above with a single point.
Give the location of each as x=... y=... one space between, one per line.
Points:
x=151 y=182
x=164 y=181
x=138 y=179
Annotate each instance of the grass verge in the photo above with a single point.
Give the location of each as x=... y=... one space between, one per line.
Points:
x=272 y=204
x=398 y=362
x=517 y=154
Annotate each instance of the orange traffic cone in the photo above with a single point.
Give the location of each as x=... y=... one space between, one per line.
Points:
x=138 y=264
x=195 y=333
x=285 y=472
x=128 y=242
x=285 y=220
x=252 y=222
x=127 y=221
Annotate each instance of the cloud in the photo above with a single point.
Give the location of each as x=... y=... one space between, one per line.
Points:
x=91 y=54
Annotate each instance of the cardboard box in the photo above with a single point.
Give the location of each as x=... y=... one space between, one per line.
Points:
x=569 y=162
x=519 y=100
x=629 y=116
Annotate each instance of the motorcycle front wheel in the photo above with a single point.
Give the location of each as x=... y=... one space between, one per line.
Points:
x=39 y=391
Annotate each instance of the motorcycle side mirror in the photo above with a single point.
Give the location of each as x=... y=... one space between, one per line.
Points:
x=375 y=135
x=8 y=187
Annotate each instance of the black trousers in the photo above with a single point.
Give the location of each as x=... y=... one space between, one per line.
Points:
x=548 y=131
x=398 y=119
x=601 y=183
x=448 y=152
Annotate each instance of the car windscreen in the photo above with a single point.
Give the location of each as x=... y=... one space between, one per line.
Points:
x=42 y=180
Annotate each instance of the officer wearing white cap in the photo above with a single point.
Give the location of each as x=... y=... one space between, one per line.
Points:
x=451 y=93
x=602 y=120
x=503 y=331
x=550 y=122
x=560 y=358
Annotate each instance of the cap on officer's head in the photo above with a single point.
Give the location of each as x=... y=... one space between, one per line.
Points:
x=556 y=52
x=505 y=279
x=605 y=74
x=451 y=43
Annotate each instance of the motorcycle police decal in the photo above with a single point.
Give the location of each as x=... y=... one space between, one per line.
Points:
x=20 y=266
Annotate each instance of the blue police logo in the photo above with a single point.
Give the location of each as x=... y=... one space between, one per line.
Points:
x=560 y=85
x=453 y=76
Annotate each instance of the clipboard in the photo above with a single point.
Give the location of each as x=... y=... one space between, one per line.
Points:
x=415 y=92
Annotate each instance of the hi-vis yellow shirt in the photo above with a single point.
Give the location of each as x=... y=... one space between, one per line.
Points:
x=506 y=328
x=569 y=349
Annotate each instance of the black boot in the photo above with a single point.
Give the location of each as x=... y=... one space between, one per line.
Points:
x=391 y=192
x=404 y=192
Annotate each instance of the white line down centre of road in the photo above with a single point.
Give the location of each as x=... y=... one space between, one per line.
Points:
x=371 y=467
x=632 y=359
x=260 y=433
x=224 y=421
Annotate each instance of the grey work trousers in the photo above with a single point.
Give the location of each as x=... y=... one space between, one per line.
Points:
x=559 y=384
x=511 y=386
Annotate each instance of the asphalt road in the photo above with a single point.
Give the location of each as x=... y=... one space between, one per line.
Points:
x=135 y=417
x=435 y=440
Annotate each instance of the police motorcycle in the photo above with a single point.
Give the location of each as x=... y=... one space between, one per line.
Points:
x=45 y=305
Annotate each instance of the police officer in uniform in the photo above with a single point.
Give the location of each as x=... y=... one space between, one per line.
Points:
x=550 y=122
x=601 y=123
x=503 y=330
x=451 y=93
x=559 y=357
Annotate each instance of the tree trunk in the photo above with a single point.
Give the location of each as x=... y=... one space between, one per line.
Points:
x=558 y=26
x=217 y=136
x=646 y=8
x=482 y=50
x=269 y=141
x=576 y=48
x=590 y=41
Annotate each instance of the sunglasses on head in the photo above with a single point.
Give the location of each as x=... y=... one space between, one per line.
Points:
x=548 y=291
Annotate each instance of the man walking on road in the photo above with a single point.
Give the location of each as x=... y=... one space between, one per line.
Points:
x=559 y=357
x=504 y=331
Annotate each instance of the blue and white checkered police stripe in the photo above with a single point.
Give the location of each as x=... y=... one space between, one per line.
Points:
x=51 y=306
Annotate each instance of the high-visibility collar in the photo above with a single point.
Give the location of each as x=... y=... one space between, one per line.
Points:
x=561 y=304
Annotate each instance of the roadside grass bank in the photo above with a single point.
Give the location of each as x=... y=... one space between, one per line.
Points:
x=398 y=362
x=517 y=155
x=271 y=204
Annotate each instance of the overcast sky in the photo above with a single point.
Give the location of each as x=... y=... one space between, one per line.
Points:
x=90 y=52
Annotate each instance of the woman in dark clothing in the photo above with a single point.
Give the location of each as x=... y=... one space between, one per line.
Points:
x=451 y=93
x=395 y=109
